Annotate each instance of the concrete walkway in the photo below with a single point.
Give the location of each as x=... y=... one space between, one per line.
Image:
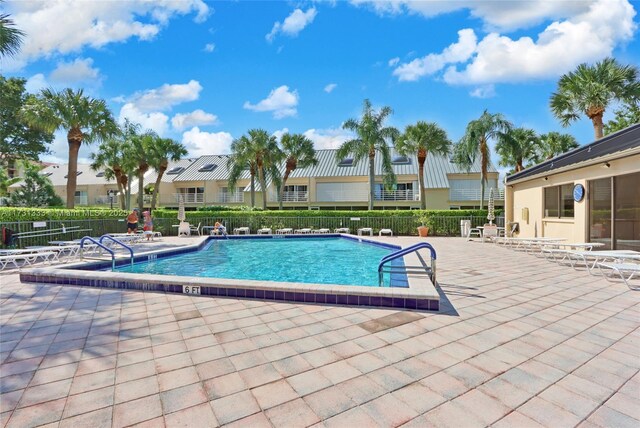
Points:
x=520 y=342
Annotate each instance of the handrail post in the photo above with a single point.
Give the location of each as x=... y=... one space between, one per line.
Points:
x=90 y=239
x=120 y=243
x=405 y=251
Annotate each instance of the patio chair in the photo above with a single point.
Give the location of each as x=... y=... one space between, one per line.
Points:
x=489 y=231
x=385 y=232
x=196 y=229
x=621 y=269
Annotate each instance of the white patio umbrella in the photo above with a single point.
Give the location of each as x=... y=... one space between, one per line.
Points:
x=491 y=214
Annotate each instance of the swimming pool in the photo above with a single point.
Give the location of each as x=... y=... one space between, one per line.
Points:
x=333 y=260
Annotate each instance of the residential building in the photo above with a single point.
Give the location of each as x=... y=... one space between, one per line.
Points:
x=589 y=194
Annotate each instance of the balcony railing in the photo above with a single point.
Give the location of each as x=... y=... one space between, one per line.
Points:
x=189 y=198
x=224 y=197
x=473 y=194
x=293 y=196
x=396 y=195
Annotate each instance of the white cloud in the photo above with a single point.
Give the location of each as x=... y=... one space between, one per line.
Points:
x=209 y=47
x=330 y=138
x=593 y=34
x=156 y=121
x=486 y=91
x=393 y=61
x=280 y=101
x=35 y=83
x=496 y=15
x=201 y=143
x=459 y=51
x=280 y=132
x=330 y=87
x=62 y=26
x=78 y=71
x=292 y=24
x=197 y=117
x=498 y=58
x=166 y=96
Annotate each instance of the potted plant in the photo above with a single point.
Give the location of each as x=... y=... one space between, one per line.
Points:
x=423 y=230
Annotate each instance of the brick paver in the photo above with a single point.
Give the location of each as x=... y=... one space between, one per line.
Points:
x=519 y=341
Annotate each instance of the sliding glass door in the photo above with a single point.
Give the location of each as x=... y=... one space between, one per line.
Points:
x=600 y=196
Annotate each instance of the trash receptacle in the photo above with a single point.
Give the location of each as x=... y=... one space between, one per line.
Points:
x=465 y=227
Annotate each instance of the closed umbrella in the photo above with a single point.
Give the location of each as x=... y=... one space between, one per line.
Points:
x=491 y=214
x=181 y=215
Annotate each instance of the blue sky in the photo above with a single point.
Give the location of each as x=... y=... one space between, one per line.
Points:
x=205 y=72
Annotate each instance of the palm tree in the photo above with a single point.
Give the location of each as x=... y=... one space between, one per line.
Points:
x=161 y=153
x=10 y=37
x=552 y=144
x=139 y=152
x=475 y=142
x=516 y=146
x=299 y=152
x=110 y=158
x=241 y=159
x=86 y=120
x=590 y=90
x=268 y=156
x=371 y=138
x=420 y=139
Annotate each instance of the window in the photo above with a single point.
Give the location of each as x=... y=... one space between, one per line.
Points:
x=175 y=171
x=346 y=162
x=401 y=160
x=208 y=167
x=558 y=201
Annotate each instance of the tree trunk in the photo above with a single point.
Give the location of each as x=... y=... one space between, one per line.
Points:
x=156 y=186
x=519 y=165
x=598 y=126
x=372 y=177
x=123 y=193
x=118 y=174
x=128 y=196
x=253 y=188
x=263 y=185
x=422 y=157
x=141 y=190
x=484 y=159
x=282 y=186
x=74 y=138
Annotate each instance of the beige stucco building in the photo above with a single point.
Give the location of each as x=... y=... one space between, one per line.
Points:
x=589 y=194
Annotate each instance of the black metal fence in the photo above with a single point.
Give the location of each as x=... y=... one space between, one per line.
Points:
x=30 y=233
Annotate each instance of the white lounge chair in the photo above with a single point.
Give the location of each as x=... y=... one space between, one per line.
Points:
x=264 y=231
x=385 y=232
x=364 y=230
x=284 y=231
x=240 y=230
x=26 y=258
x=303 y=230
x=621 y=269
x=341 y=230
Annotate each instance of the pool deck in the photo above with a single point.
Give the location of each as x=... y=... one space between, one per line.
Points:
x=519 y=341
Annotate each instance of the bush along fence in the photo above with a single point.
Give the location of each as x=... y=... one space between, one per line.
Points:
x=41 y=229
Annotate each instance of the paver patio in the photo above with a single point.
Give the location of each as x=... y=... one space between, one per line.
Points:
x=519 y=341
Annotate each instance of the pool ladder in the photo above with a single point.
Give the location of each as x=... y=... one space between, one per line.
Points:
x=100 y=244
x=420 y=270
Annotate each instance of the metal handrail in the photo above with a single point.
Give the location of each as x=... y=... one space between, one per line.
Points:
x=405 y=251
x=108 y=250
x=120 y=243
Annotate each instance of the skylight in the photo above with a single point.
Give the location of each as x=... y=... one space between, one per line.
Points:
x=176 y=170
x=401 y=160
x=346 y=162
x=208 y=167
x=100 y=174
x=77 y=173
x=46 y=174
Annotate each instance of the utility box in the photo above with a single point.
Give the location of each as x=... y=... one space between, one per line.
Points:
x=465 y=228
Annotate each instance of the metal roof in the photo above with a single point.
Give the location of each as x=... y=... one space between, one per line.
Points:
x=86 y=177
x=168 y=178
x=618 y=142
x=221 y=172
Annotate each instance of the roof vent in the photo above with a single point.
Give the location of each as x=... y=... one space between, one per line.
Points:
x=175 y=171
x=346 y=162
x=208 y=167
x=401 y=160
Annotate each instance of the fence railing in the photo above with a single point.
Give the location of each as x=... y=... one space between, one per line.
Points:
x=438 y=225
x=230 y=197
x=473 y=194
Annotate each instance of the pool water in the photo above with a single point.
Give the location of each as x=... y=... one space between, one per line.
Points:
x=307 y=260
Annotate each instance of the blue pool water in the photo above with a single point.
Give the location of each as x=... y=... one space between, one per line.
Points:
x=307 y=260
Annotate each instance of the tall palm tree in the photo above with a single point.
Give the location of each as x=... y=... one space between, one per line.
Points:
x=139 y=152
x=161 y=153
x=268 y=157
x=419 y=140
x=475 y=142
x=590 y=90
x=552 y=144
x=10 y=36
x=371 y=137
x=110 y=158
x=299 y=152
x=86 y=120
x=240 y=160
x=516 y=146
